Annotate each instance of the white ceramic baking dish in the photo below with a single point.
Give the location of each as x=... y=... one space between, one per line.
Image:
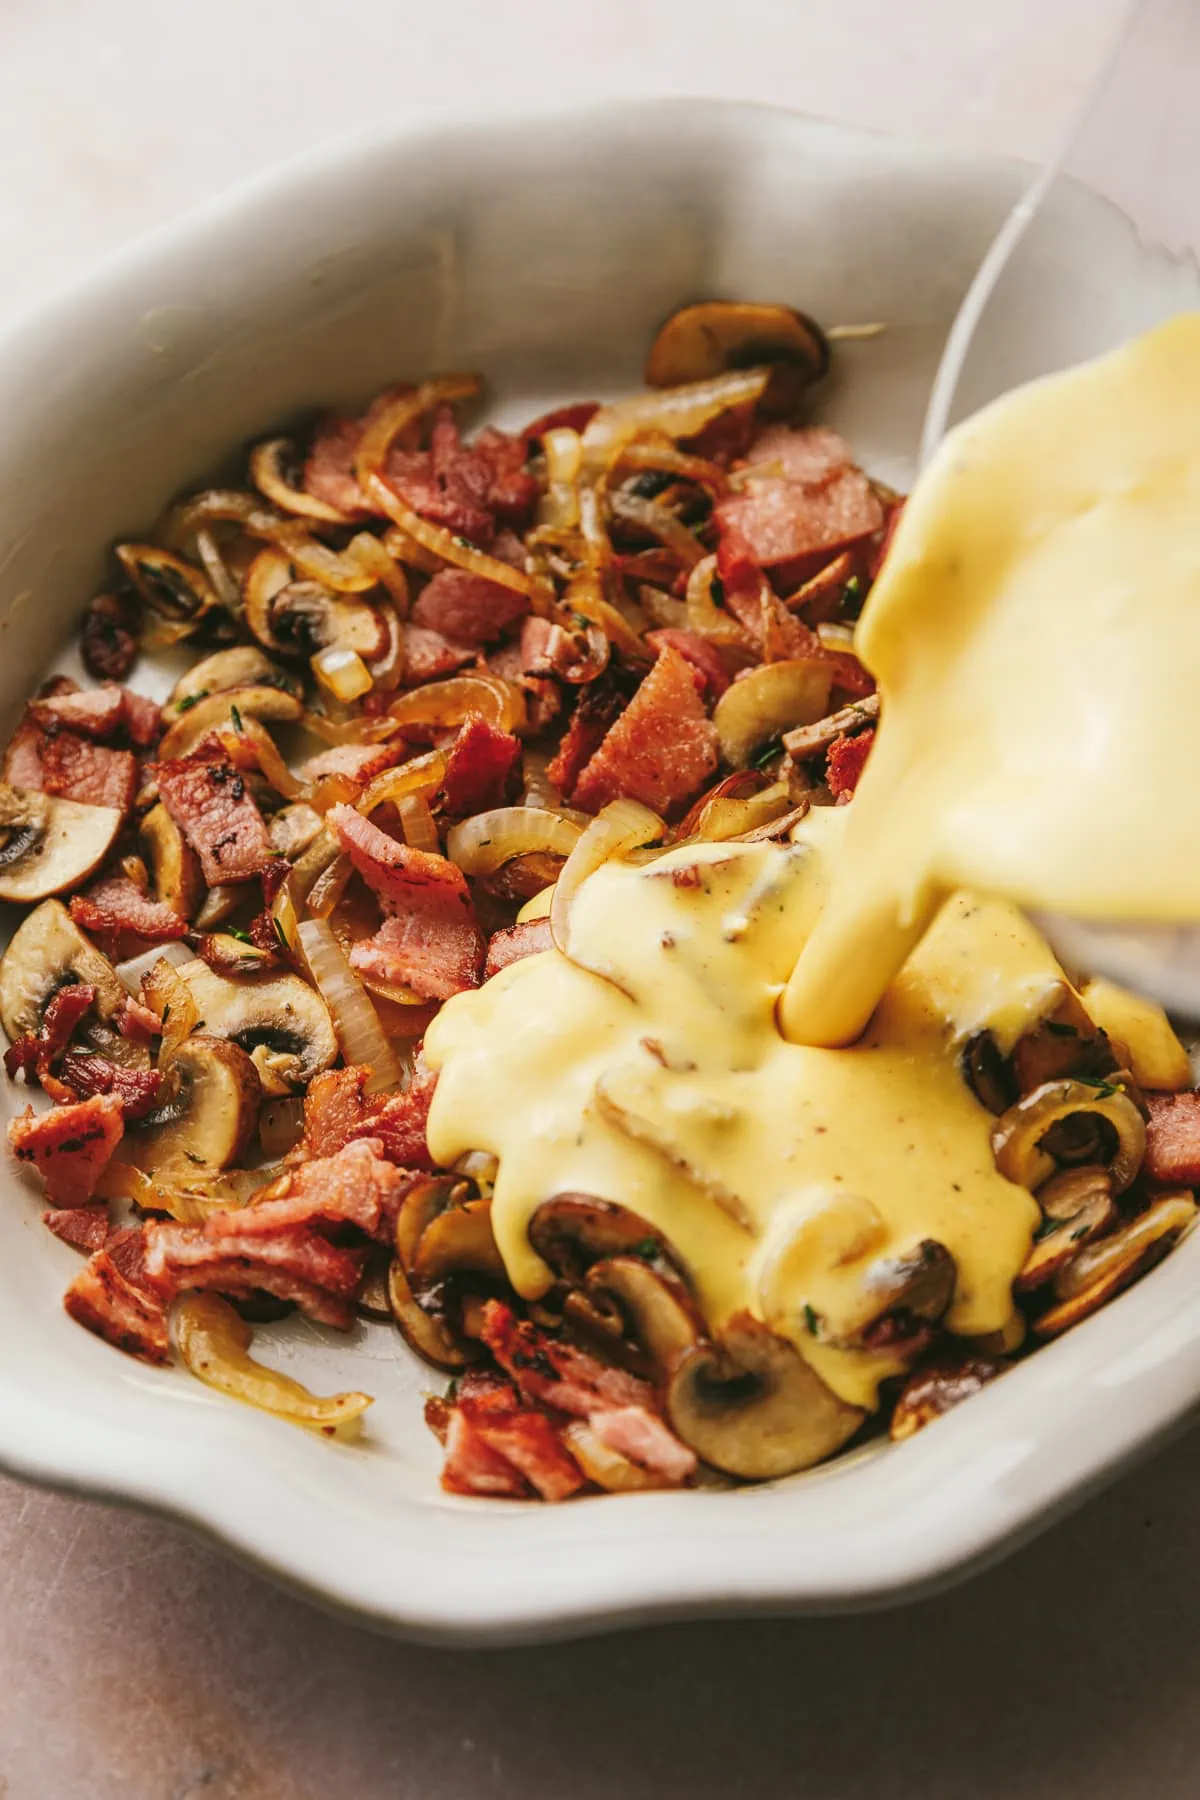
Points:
x=542 y=251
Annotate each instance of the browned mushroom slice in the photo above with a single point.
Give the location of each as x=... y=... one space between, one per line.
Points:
x=909 y=1293
x=988 y=1073
x=1078 y=1206
x=217 y=711
x=937 y=1388
x=50 y=846
x=1100 y=1270
x=422 y=1203
x=178 y=882
x=700 y=341
x=1022 y=1140
x=212 y=1114
x=278 y=1013
x=459 y=1241
x=175 y=588
x=47 y=952
x=241 y=667
x=426 y=1333
x=656 y=1308
x=752 y=1406
x=767 y=701
x=573 y=1231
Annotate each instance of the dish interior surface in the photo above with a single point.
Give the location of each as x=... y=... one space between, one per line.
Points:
x=542 y=254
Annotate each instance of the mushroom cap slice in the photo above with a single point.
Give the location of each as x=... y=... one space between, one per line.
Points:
x=47 y=951
x=303 y=617
x=1019 y=1136
x=459 y=1241
x=768 y=700
x=217 y=710
x=1103 y=1268
x=50 y=846
x=425 y=1199
x=658 y=1310
x=178 y=881
x=426 y=1333
x=279 y=1011
x=572 y=1231
x=242 y=666
x=752 y=1406
x=212 y=1116
x=704 y=340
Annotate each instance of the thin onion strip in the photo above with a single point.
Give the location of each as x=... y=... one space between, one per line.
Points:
x=267 y=463
x=621 y=826
x=484 y=843
x=214 y=1341
x=355 y=1020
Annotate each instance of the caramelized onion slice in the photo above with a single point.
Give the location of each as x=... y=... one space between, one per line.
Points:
x=355 y=1020
x=421 y=775
x=621 y=826
x=676 y=412
x=499 y=701
x=272 y=468
x=482 y=844
x=706 y=617
x=214 y=1342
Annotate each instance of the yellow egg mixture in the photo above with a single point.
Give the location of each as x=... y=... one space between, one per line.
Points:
x=1035 y=641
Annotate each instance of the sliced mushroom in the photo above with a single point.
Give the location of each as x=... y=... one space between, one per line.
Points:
x=1078 y=1206
x=422 y=1203
x=656 y=1308
x=279 y=1011
x=1019 y=1135
x=225 y=708
x=459 y=1241
x=48 y=951
x=302 y=617
x=175 y=588
x=241 y=667
x=937 y=1388
x=769 y=700
x=908 y=1293
x=1100 y=1270
x=752 y=1406
x=573 y=1231
x=219 y=904
x=233 y=955
x=50 y=846
x=428 y=1334
x=212 y=1115
x=988 y=1073
x=701 y=341
x=294 y=829
x=178 y=882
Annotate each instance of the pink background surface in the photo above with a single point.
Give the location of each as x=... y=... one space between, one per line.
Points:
x=137 y=1663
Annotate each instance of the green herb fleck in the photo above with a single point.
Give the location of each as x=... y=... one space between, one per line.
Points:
x=243 y=937
x=716 y=590
x=853 y=590
x=648 y=1249
x=463 y=543
x=812 y=1320
x=236 y=716
x=1103 y=1088
x=190 y=700
x=166 y=1013
x=1061 y=1029
x=769 y=751
x=281 y=934
x=451 y=1394
x=193 y=1158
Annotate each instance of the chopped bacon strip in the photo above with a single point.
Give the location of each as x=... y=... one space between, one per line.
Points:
x=143 y=719
x=400 y=1122
x=211 y=805
x=22 y=759
x=551 y=1373
x=428 y=655
x=471 y=1467
x=86 y=1074
x=93 y=712
x=661 y=749
x=115 y=905
x=83 y=1227
x=446 y=484
x=336 y=1111
x=599 y=706
x=335 y=1108
x=845 y=763
x=515 y=942
x=353 y=1187
x=294 y=1263
x=329 y=467
x=105 y=1302
x=70 y=1146
x=467 y=608
x=530 y=1444
x=495 y=1446
x=480 y=768
x=811 y=497
x=1173 y=1138
x=138 y=1022
x=360 y=762
x=429 y=939
x=640 y=1435
x=34 y=1056
x=73 y=768
x=704 y=657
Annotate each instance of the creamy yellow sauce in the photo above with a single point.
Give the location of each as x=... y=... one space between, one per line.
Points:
x=1035 y=634
x=785 y=1177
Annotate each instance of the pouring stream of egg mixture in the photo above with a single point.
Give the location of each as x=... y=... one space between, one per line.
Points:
x=758 y=1046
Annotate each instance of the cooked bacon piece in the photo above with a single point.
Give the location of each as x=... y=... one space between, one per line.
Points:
x=471 y=1467
x=87 y=1074
x=1173 y=1138
x=515 y=942
x=360 y=762
x=143 y=719
x=93 y=712
x=428 y=655
x=429 y=940
x=845 y=763
x=479 y=768
x=108 y=638
x=138 y=1022
x=335 y=1108
x=400 y=1121
x=561 y=418
x=809 y=498
x=552 y=1373
x=599 y=706
x=73 y=768
x=69 y=1146
x=22 y=759
x=661 y=749
x=727 y=436
x=83 y=1227
x=445 y=484
x=353 y=1187
x=704 y=657
x=211 y=805
x=293 y=1263
x=329 y=467
x=467 y=608
x=528 y=1442
x=35 y=1055
x=127 y=1247
x=642 y=1437
x=115 y=905
x=103 y=1301
x=876 y=559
